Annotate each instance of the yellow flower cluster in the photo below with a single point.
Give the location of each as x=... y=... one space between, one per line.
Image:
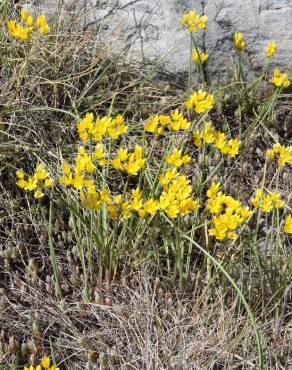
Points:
x=176 y=196
x=288 y=225
x=199 y=57
x=129 y=162
x=280 y=79
x=193 y=21
x=90 y=129
x=93 y=198
x=42 y=24
x=84 y=164
x=174 y=200
x=239 y=43
x=177 y=159
x=175 y=121
x=266 y=202
x=201 y=101
x=271 y=49
x=228 y=213
x=39 y=181
x=18 y=31
x=143 y=208
x=45 y=364
x=210 y=136
x=284 y=154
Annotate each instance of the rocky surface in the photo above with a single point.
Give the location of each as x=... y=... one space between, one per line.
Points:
x=150 y=29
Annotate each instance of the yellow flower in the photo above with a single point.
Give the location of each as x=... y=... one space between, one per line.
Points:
x=176 y=197
x=76 y=182
x=266 y=202
x=199 y=57
x=104 y=195
x=44 y=28
x=213 y=190
x=151 y=206
x=30 y=21
x=283 y=153
x=271 y=49
x=41 y=20
x=66 y=169
x=40 y=172
x=38 y=194
x=153 y=126
x=231 y=148
x=288 y=225
x=92 y=198
x=270 y=154
x=178 y=121
x=156 y=124
x=85 y=127
x=11 y=25
x=20 y=174
x=177 y=159
x=228 y=213
x=126 y=210
x=48 y=183
x=117 y=127
x=208 y=134
x=132 y=163
x=95 y=131
x=24 y=14
x=21 y=183
x=220 y=140
x=135 y=162
x=31 y=184
x=280 y=79
x=118 y=199
x=201 y=101
x=240 y=44
x=198 y=138
x=17 y=31
x=193 y=21
x=168 y=176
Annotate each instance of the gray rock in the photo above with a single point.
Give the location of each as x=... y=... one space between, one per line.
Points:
x=150 y=30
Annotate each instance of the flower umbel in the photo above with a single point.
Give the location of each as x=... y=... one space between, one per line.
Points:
x=132 y=163
x=280 y=79
x=22 y=32
x=199 y=57
x=193 y=21
x=271 y=49
x=96 y=129
x=177 y=159
x=175 y=122
x=239 y=42
x=283 y=153
x=266 y=202
x=37 y=182
x=288 y=225
x=200 y=101
x=210 y=136
x=228 y=213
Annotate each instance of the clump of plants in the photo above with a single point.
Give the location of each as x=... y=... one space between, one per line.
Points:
x=161 y=194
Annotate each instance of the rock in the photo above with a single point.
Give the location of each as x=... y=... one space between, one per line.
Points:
x=150 y=30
